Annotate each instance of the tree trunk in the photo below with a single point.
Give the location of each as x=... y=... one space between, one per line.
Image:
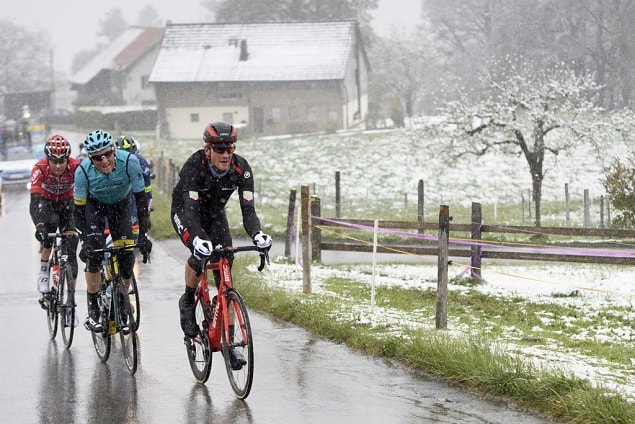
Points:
x=537 y=194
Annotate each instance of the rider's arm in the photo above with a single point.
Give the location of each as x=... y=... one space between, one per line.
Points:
x=80 y=196
x=251 y=223
x=185 y=202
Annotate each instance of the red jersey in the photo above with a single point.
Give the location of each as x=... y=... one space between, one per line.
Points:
x=52 y=187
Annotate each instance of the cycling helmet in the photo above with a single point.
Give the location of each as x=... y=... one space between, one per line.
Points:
x=219 y=132
x=96 y=141
x=57 y=147
x=126 y=143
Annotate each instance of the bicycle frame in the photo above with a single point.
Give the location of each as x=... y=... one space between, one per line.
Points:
x=57 y=298
x=112 y=318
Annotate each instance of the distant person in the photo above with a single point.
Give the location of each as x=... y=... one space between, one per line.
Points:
x=206 y=182
x=51 y=208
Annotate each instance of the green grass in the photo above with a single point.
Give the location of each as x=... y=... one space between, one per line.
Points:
x=475 y=362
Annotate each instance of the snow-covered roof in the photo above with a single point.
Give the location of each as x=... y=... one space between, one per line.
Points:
x=290 y=51
x=122 y=52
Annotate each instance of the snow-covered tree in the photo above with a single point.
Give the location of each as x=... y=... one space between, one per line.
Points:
x=25 y=64
x=533 y=114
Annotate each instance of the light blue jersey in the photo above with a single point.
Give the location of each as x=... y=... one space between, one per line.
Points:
x=108 y=188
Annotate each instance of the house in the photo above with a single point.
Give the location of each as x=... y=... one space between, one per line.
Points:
x=265 y=78
x=118 y=74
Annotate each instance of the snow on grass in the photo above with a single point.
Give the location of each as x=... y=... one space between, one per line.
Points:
x=595 y=288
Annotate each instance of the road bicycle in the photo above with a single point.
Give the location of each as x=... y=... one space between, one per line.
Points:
x=116 y=310
x=214 y=318
x=133 y=290
x=58 y=306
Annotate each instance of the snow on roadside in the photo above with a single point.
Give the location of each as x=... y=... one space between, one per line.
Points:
x=596 y=287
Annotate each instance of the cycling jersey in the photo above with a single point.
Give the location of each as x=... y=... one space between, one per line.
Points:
x=200 y=196
x=108 y=188
x=50 y=186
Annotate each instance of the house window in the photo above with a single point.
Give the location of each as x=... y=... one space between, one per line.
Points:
x=276 y=114
x=311 y=114
x=193 y=117
x=144 y=82
x=294 y=114
x=332 y=112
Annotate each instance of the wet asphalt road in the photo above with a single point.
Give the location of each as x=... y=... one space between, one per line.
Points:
x=298 y=378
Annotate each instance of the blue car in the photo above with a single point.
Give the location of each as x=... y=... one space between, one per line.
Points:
x=15 y=169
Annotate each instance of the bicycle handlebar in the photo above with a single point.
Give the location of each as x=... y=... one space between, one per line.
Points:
x=64 y=234
x=113 y=249
x=227 y=251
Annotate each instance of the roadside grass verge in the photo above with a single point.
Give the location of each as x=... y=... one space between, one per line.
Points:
x=477 y=361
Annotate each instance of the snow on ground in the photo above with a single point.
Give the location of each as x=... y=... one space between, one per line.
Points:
x=599 y=286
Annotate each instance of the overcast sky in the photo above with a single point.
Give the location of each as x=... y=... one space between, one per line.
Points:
x=73 y=24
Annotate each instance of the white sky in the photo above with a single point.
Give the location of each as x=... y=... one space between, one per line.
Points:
x=73 y=24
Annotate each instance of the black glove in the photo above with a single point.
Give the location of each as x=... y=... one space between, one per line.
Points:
x=41 y=234
x=145 y=247
x=144 y=224
x=86 y=252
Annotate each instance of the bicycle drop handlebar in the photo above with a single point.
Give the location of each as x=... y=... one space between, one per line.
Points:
x=220 y=252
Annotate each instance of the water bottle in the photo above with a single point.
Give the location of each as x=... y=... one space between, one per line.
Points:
x=108 y=295
x=106 y=264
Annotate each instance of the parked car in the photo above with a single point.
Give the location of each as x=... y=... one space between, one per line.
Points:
x=15 y=171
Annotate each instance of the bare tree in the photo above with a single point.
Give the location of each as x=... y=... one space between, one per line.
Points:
x=113 y=24
x=532 y=113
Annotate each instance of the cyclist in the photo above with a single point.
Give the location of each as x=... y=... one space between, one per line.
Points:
x=102 y=193
x=129 y=144
x=51 y=207
x=206 y=181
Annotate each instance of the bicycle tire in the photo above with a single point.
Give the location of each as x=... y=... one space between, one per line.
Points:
x=51 y=312
x=133 y=295
x=199 y=353
x=129 y=341
x=242 y=379
x=66 y=318
x=101 y=339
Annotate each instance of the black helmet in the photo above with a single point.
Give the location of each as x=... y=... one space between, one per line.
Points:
x=219 y=132
x=127 y=143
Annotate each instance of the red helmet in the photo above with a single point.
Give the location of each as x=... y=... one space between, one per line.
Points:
x=57 y=147
x=219 y=132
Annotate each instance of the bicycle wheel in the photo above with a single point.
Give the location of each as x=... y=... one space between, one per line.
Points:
x=102 y=340
x=66 y=308
x=240 y=340
x=51 y=312
x=127 y=332
x=198 y=349
x=133 y=295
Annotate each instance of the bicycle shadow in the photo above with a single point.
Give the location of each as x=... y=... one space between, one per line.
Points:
x=201 y=408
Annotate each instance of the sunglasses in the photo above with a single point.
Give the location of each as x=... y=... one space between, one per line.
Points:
x=99 y=158
x=57 y=161
x=218 y=149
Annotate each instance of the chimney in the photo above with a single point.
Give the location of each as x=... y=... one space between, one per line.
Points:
x=243 y=51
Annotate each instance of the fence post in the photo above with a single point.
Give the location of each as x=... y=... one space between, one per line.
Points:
x=442 y=281
x=475 y=250
x=567 y=205
x=316 y=233
x=587 y=209
x=306 y=240
x=290 y=218
x=602 y=212
x=420 y=215
x=337 y=194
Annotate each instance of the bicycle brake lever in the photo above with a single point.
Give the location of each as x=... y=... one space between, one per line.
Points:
x=264 y=256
